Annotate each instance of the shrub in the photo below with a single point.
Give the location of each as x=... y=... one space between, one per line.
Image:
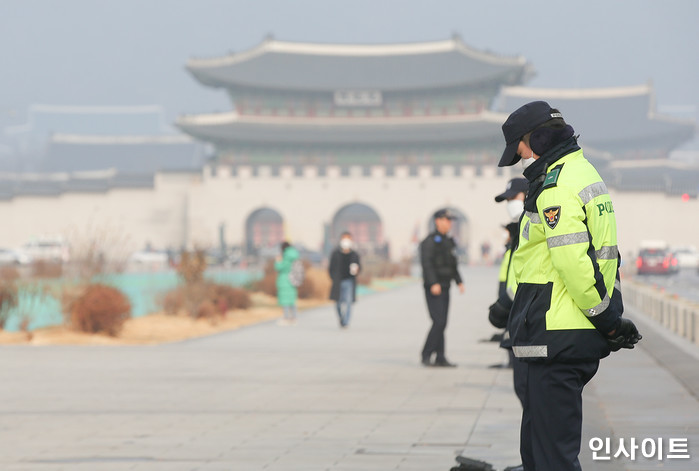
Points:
x=192 y=266
x=268 y=283
x=173 y=301
x=9 y=274
x=8 y=299
x=316 y=284
x=97 y=248
x=193 y=294
x=198 y=299
x=190 y=294
x=194 y=290
x=208 y=310
x=8 y=292
x=47 y=269
x=227 y=297
x=98 y=308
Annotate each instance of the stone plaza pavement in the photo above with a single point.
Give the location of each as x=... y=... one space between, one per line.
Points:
x=315 y=397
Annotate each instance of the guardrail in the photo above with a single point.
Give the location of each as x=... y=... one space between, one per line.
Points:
x=679 y=315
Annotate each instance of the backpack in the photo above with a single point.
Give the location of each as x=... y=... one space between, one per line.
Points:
x=297 y=273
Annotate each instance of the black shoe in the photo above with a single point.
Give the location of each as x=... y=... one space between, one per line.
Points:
x=470 y=464
x=444 y=363
x=426 y=362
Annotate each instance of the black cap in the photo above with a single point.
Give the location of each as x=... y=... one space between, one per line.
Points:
x=444 y=213
x=524 y=119
x=514 y=187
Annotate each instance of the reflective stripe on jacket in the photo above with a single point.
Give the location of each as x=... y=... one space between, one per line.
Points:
x=566 y=268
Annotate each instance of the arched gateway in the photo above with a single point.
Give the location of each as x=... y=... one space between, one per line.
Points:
x=365 y=225
x=264 y=231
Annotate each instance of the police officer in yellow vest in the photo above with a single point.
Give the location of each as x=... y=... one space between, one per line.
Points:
x=567 y=310
x=499 y=311
x=514 y=194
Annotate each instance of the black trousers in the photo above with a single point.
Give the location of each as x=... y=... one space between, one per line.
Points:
x=519 y=377
x=552 y=415
x=438 y=307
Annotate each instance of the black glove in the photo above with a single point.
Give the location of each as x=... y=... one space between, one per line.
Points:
x=625 y=336
x=498 y=314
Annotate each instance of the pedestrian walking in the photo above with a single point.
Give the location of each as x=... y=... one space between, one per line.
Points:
x=287 y=293
x=439 y=269
x=344 y=268
x=567 y=309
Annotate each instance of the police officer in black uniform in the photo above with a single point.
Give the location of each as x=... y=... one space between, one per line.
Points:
x=439 y=268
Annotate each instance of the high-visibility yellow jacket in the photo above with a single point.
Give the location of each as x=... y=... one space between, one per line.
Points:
x=506 y=276
x=504 y=266
x=507 y=289
x=566 y=267
x=508 y=285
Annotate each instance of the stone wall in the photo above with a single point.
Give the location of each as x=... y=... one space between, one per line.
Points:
x=186 y=208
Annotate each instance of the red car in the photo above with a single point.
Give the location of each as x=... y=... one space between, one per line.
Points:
x=656 y=261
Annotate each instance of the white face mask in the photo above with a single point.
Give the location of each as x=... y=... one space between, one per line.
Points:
x=526 y=163
x=345 y=244
x=515 y=208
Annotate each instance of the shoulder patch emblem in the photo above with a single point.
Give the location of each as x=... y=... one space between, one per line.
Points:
x=552 y=215
x=552 y=177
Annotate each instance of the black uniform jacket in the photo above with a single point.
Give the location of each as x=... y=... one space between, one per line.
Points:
x=439 y=264
x=336 y=276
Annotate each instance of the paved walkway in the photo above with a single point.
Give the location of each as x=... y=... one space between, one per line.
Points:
x=314 y=397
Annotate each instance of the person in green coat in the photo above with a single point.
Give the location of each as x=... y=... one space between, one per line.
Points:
x=286 y=292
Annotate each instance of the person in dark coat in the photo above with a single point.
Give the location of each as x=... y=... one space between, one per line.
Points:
x=344 y=268
x=439 y=268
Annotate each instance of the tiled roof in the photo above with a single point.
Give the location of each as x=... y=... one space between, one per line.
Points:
x=615 y=119
x=328 y=67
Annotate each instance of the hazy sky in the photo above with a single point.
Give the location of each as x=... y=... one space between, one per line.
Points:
x=132 y=52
